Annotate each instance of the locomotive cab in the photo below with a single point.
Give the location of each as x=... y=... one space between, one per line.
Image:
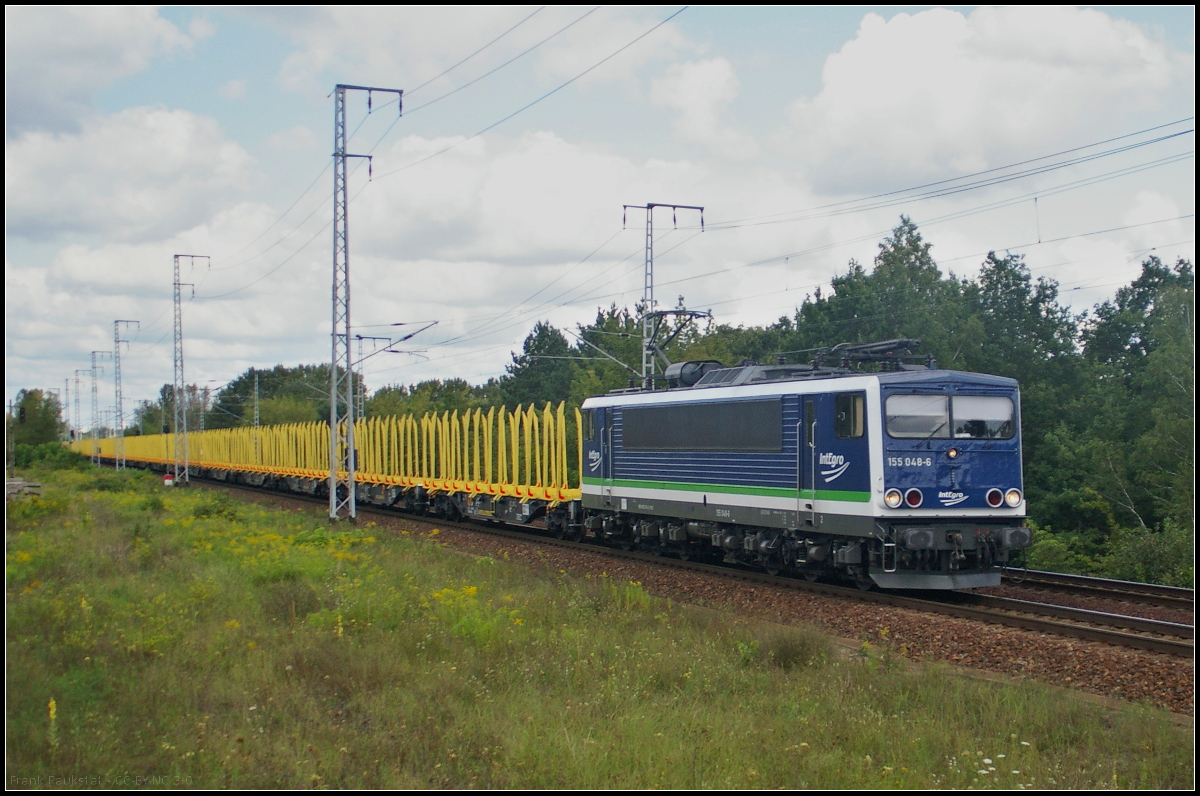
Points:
x=949 y=495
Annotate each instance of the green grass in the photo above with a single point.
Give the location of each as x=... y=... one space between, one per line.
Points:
x=188 y=638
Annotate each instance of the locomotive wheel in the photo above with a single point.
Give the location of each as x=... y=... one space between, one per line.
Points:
x=812 y=577
x=684 y=555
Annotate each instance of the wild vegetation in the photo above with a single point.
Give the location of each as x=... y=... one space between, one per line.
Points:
x=169 y=638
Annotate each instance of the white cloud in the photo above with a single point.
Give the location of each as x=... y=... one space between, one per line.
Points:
x=607 y=31
x=56 y=58
x=405 y=45
x=939 y=93
x=234 y=89
x=294 y=139
x=392 y=45
x=699 y=91
x=143 y=171
x=201 y=28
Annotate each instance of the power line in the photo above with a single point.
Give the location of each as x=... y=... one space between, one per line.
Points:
x=1003 y=248
x=351 y=136
x=536 y=101
x=861 y=205
x=892 y=203
x=477 y=52
x=965 y=176
x=506 y=63
x=949 y=217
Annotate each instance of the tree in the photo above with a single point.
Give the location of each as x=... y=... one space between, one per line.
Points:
x=302 y=385
x=542 y=372
x=1166 y=386
x=1118 y=335
x=433 y=396
x=37 y=418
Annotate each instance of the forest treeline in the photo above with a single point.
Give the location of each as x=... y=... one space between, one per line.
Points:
x=1108 y=395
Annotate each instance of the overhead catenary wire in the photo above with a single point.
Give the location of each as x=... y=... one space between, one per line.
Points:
x=970 y=175
x=450 y=69
x=501 y=66
x=1005 y=249
x=517 y=322
x=1052 y=191
x=479 y=353
x=861 y=205
x=317 y=179
x=481 y=132
x=957 y=189
x=545 y=96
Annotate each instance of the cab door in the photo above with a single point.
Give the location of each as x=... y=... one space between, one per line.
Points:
x=603 y=426
x=806 y=430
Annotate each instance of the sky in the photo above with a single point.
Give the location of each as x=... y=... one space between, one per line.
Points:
x=495 y=200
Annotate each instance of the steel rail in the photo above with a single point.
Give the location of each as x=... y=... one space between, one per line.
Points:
x=1140 y=624
x=1150 y=593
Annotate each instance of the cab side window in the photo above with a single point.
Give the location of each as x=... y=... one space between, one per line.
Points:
x=849 y=415
x=589 y=425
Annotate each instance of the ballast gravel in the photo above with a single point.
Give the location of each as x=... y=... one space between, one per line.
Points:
x=1117 y=672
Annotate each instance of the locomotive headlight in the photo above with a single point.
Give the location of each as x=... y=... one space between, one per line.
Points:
x=994 y=498
x=1013 y=497
x=892 y=499
x=914 y=498
x=952 y=453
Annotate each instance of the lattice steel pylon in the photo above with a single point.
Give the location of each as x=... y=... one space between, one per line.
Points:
x=66 y=405
x=342 y=498
x=96 y=370
x=119 y=425
x=650 y=322
x=179 y=397
x=78 y=413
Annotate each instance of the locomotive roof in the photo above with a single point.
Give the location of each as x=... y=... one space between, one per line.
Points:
x=743 y=387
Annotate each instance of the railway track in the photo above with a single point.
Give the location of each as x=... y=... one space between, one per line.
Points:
x=1114 y=629
x=1147 y=593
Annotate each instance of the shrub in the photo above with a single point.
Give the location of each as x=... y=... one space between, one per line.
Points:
x=49 y=456
x=1165 y=556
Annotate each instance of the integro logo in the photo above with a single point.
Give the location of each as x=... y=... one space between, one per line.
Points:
x=951 y=498
x=836 y=463
x=593 y=459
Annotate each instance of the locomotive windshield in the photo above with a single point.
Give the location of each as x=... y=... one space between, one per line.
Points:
x=918 y=416
x=943 y=417
x=982 y=417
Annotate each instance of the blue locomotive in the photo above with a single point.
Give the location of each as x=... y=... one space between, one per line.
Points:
x=905 y=477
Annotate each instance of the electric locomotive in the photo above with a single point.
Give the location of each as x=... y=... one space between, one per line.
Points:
x=905 y=477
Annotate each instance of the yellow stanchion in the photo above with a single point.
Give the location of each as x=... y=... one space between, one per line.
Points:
x=522 y=452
